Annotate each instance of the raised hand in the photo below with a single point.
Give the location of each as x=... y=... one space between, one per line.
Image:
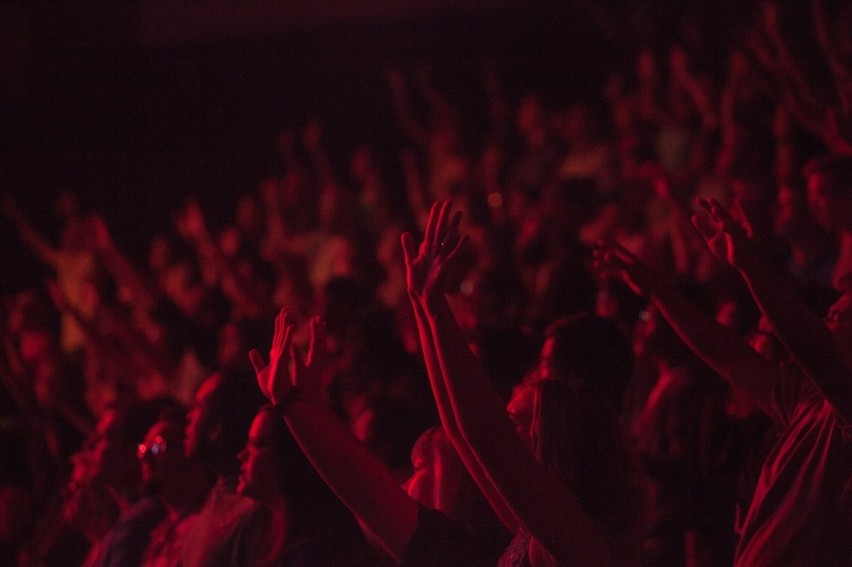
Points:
x=99 y=233
x=274 y=379
x=190 y=221
x=726 y=239
x=307 y=377
x=612 y=260
x=428 y=268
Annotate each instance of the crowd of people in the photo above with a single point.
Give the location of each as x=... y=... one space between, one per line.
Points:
x=610 y=332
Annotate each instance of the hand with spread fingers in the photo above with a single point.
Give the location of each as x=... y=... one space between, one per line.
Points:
x=726 y=239
x=307 y=374
x=611 y=260
x=288 y=371
x=429 y=266
x=274 y=379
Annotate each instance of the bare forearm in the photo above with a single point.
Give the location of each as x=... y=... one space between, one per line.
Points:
x=721 y=348
x=354 y=474
x=448 y=420
x=531 y=494
x=803 y=334
x=476 y=405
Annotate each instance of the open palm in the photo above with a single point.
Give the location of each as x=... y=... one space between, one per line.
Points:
x=428 y=266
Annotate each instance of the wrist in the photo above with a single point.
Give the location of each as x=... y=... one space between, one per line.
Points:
x=284 y=402
x=433 y=300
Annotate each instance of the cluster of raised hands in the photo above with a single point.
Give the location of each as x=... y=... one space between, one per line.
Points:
x=521 y=490
x=290 y=372
x=724 y=237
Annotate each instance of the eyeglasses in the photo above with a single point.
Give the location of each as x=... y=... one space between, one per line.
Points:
x=152 y=449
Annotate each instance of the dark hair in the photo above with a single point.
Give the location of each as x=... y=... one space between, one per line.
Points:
x=576 y=436
x=591 y=350
x=137 y=416
x=233 y=404
x=311 y=505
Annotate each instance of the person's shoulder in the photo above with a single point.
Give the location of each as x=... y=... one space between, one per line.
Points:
x=148 y=511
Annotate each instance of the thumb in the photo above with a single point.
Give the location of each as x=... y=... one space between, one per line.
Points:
x=706 y=228
x=408 y=247
x=299 y=362
x=257 y=361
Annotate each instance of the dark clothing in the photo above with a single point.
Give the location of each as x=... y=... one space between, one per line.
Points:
x=442 y=542
x=125 y=543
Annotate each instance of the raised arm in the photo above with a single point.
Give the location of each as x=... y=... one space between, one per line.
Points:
x=810 y=342
x=119 y=267
x=841 y=72
x=540 y=502
x=356 y=476
x=191 y=225
x=720 y=347
x=28 y=233
x=417 y=264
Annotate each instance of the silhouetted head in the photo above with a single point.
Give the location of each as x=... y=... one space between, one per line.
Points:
x=830 y=191
x=217 y=425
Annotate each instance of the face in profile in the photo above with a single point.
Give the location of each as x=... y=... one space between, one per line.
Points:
x=160 y=453
x=829 y=205
x=106 y=459
x=438 y=476
x=259 y=468
x=422 y=483
x=520 y=409
x=104 y=464
x=839 y=321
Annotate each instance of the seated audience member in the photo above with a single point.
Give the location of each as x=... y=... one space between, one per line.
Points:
x=230 y=528
x=552 y=464
x=309 y=525
x=404 y=520
x=829 y=188
x=180 y=484
x=105 y=499
x=799 y=513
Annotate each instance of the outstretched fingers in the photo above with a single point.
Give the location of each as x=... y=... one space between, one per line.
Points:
x=259 y=366
x=704 y=223
x=409 y=248
x=307 y=375
x=316 y=354
x=725 y=222
x=432 y=226
x=278 y=373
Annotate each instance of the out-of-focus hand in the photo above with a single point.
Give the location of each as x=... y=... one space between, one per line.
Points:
x=611 y=260
x=190 y=221
x=99 y=233
x=726 y=239
x=307 y=376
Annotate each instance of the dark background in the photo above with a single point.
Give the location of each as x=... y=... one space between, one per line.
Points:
x=136 y=105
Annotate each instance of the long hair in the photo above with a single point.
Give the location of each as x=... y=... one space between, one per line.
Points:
x=312 y=509
x=575 y=429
